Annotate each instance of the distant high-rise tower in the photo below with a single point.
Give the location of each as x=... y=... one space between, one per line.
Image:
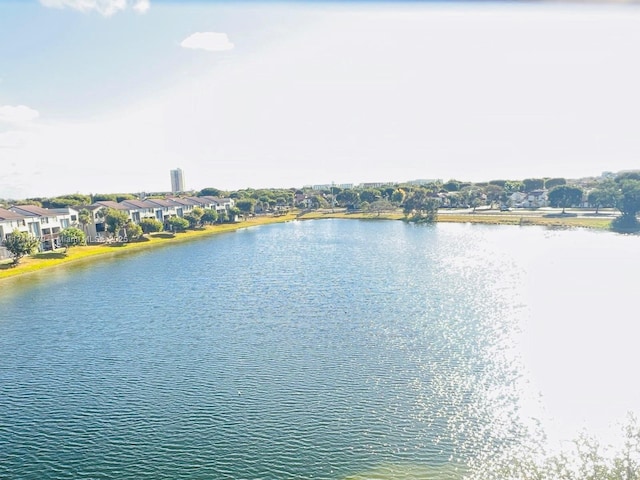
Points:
x=177 y=181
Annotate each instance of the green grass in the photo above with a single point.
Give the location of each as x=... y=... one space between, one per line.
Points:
x=46 y=260
x=510 y=218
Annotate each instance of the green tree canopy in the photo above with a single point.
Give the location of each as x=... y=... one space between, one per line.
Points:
x=348 y=198
x=565 y=196
x=380 y=206
x=84 y=218
x=512 y=186
x=397 y=197
x=67 y=201
x=246 y=205
x=115 y=220
x=607 y=194
x=451 y=186
x=150 y=225
x=420 y=206
x=209 y=216
x=133 y=230
x=210 y=192
x=369 y=195
x=20 y=244
x=549 y=183
x=631 y=175
x=72 y=236
x=629 y=204
x=178 y=224
x=531 y=184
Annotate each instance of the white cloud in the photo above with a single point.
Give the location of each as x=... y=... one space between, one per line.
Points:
x=211 y=41
x=104 y=7
x=17 y=115
x=142 y=6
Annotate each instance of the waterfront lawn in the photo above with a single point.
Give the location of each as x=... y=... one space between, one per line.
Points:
x=43 y=260
x=489 y=218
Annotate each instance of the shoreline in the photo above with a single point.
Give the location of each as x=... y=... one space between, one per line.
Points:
x=487 y=217
x=49 y=260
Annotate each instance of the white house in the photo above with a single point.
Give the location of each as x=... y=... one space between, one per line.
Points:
x=536 y=199
x=96 y=230
x=165 y=208
x=46 y=224
x=139 y=209
x=517 y=199
x=10 y=221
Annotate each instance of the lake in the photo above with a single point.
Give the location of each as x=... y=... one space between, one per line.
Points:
x=332 y=349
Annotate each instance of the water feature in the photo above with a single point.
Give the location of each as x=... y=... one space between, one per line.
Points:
x=327 y=349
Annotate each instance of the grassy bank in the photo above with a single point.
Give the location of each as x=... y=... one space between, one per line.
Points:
x=508 y=218
x=45 y=260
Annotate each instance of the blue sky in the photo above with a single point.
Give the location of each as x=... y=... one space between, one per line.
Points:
x=109 y=95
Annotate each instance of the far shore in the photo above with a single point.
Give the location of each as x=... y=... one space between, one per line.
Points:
x=549 y=218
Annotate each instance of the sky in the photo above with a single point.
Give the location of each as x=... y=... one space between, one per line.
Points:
x=103 y=96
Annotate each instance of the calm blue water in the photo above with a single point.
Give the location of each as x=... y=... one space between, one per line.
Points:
x=327 y=349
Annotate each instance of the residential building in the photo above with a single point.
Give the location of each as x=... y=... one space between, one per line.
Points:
x=177 y=181
x=46 y=224
x=10 y=221
x=165 y=208
x=96 y=230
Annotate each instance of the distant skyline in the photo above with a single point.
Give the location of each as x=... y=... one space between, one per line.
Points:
x=104 y=96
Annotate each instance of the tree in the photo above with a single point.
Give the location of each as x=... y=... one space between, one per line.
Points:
x=178 y=224
x=193 y=220
x=380 y=206
x=133 y=230
x=84 y=218
x=629 y=204
x=421 y=207
x=20 y=244
x=549 y=183
x=210 y=192
x=115 y=220
x=606 y=195
x=531 y=184
x=473 y=196
x=232 y=214
x=512 y=186
x=451 y=186
x=150 y=225
x=72 y=236
x=494 y=194
x=209 y=216
x=349 y=198
x=369 y=195
x=66 y=201
x=564 y=196
x=631 y=175
x=398 y=196
x=223 y=216
x=246 y=205
x=499 y=183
